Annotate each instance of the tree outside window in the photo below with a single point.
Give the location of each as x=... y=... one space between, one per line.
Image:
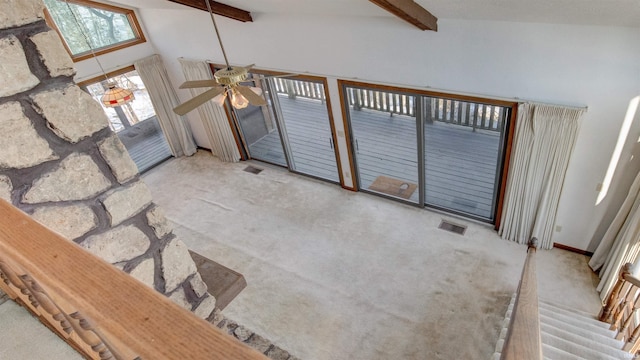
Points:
x=106 y=27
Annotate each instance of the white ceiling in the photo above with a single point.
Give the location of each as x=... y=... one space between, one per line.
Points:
x=578 y=12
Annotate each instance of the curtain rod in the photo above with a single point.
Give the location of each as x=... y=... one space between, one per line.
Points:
x=576 y=107
x=452 y=92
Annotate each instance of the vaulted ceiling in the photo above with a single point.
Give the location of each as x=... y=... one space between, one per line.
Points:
x=578 y=12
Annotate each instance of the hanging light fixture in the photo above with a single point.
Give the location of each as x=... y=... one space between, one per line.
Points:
x=114 y=95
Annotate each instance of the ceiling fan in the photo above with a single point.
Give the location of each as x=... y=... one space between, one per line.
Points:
x=226 y=82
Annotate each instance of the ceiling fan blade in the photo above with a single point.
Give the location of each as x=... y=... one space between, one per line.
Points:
x=254 y=99
x=198 y=84
x=249 y=66
x=198 y=100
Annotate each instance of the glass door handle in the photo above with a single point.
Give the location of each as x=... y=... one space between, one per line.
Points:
x=331 y=143
x=357 y=148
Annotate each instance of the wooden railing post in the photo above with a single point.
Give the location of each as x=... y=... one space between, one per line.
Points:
x=523 y=339
x=605 y=313
x=629 y=319
x=621 y=308
x=632 y=344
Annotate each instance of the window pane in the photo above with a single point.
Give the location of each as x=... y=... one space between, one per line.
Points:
x=463 y=142
x=385 y=142
x=261 y=133
x=135 y=122
x=308 y=132
x=102 y=28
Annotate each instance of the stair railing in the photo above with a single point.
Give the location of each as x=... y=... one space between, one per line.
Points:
x=99 y=310
x=523 y=340
x=621 y=309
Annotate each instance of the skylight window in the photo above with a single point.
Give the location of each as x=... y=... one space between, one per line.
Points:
x=86 y=25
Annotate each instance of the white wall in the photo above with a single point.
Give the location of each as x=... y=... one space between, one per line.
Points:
x=573 y=65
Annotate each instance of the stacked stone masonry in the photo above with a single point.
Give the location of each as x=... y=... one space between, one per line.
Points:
x=250 y=338
x=62 y=164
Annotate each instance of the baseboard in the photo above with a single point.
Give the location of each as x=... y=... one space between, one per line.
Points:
x=572 y=249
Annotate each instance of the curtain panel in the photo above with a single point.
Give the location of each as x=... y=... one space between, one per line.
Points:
x=164 y=98
x=214 y=118
x=620 y=244
x=545 y=136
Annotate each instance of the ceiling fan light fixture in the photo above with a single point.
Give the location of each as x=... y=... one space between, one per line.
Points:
x=226 y=82
x=116 y=96
x=219 y=99
x=238 y=100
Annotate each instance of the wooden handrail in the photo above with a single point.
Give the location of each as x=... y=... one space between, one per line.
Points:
x=523 y=339
x=98 y=309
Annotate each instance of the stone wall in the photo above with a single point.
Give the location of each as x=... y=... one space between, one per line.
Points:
x=60 y=163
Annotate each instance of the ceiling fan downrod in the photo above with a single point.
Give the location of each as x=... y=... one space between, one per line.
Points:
x=215 y=26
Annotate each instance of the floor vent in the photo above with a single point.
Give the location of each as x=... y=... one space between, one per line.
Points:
x=253 y=170
x=458 y=229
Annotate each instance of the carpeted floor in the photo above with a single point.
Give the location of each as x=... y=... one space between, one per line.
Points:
x=334 y=274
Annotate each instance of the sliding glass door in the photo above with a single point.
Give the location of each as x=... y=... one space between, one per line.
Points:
x=301 y=106
x=260 y=133
x=432 y=151
x=383 y=126
x=294 y=130
x=462 y=152
x=135 y=122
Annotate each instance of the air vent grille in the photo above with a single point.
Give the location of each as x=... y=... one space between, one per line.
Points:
x=451 y=227
x=253 y=170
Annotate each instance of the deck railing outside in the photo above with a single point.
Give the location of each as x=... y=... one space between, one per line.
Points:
x=99 y=310
x=523 y=340
x=621 y=309
x=463 y=113
x=299 y=88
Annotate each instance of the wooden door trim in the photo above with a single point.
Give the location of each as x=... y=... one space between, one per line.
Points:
x=346 y=123
x=513 y=119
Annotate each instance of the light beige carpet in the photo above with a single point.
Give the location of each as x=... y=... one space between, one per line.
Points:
x=334 y=274
x=24 y=337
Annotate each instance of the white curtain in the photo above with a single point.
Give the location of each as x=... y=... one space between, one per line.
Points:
x=544 y=139
x=214 y=118
x=621 y=243
x=163 y=97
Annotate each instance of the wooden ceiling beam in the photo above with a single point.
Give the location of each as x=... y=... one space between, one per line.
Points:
x=411 y=12
x=219 y=9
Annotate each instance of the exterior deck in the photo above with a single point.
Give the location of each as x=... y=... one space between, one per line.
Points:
x=460 y=170
x=145 y=143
